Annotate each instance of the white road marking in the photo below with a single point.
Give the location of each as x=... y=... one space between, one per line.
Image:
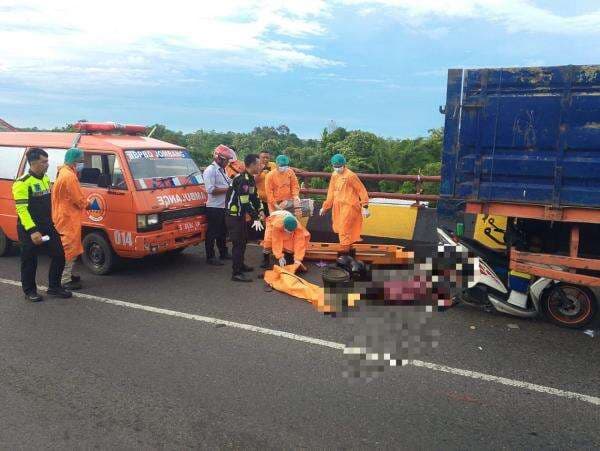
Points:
x=331 y=344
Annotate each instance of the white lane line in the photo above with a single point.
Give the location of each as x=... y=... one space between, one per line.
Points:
x=203 y=319
x=331 y=344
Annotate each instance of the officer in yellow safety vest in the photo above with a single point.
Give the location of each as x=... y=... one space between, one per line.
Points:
x=36 y=231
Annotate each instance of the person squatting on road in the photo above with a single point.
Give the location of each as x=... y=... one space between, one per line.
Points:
x=243 y=205
x=283 y=190
x=68 y=203
x=350 y=202
x=285 y=239
x=37 y=234
x=217 y=182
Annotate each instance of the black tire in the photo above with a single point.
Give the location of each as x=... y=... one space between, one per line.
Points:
x=581 y=305
x=98 y=255
x=6 y=244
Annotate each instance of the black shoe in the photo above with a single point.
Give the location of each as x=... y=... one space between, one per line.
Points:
x=59 y=293
x=247 y=268
x=214 y=262
x=34 y=297
x=226 y=257
x=72 y=285
x=266 y=264
x=241 y=278
x=75 y=279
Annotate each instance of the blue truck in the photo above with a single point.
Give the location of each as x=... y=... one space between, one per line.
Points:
x=524 y=144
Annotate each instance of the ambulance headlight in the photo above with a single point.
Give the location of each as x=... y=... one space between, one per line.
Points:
x=146 y=223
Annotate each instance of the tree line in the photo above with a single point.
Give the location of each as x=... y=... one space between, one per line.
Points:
x=365 y=152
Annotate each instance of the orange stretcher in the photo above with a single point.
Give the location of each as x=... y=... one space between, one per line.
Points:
x=381 y=254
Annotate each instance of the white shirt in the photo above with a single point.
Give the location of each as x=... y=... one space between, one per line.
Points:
x=215 y=177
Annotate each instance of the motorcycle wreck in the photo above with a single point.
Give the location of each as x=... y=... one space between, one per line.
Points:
x=494 y=287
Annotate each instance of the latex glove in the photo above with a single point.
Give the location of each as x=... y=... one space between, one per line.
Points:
x=282 y=262
x=257 y=225
x=322 y=212
x=366 y=213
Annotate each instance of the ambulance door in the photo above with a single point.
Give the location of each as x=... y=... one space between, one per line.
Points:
x=109 y=198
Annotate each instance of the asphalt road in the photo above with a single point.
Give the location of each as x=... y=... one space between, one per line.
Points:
x=81 y=373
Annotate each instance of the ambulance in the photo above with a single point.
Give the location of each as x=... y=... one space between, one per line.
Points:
x=146 y=196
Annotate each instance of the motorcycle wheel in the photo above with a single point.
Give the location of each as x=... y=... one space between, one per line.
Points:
x=568 y=305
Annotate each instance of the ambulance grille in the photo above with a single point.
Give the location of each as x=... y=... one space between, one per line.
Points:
x=183 y=213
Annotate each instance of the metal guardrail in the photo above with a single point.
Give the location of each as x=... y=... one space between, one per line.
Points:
x=418 y=197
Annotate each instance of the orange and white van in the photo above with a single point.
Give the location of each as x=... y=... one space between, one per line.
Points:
x=147 y=196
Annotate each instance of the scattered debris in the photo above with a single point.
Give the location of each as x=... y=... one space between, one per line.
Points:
x=480 y=348
x=472 y=327
x=592 y=332
x=512 y=326
x=321 y=264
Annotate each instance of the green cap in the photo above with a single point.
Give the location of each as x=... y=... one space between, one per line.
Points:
x=290 y=223
x=73 y=154
x=338 y=160
x=282 y=160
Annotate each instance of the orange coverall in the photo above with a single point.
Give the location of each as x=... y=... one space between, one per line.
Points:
x=68 y=202
x=281 y=186
x=347 y=195
x=278 y=240
x=260 y=181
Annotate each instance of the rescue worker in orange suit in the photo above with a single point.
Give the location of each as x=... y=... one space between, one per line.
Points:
x=285 y=239
x=36 y=232
x=68 y=203
x=266 y=167
x=350 y=202
x=283 y=190
x=242 y=205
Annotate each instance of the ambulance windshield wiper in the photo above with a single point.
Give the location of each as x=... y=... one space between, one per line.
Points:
x=189 y=177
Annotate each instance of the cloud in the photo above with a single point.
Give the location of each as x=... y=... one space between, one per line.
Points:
x=66 y=44
x=129 y=42
x=514 y=15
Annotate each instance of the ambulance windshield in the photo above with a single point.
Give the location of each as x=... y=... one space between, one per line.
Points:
x=163 y=168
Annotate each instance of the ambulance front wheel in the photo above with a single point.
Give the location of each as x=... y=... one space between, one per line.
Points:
x=98 y=255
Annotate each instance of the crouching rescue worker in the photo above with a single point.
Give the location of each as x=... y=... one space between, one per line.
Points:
x=68 y=203
x=283 y=190
x=243 y=204
x=350 y=202
x=285 y=239
x=34 y=226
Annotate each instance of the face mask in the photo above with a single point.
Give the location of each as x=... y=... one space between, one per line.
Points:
x=339 y=170
x=79 y=167
x=283 y=168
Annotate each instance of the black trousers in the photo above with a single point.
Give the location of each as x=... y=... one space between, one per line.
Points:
x=238 y=234
x=216 y=232
x=29 y=260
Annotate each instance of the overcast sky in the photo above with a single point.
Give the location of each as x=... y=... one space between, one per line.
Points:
x=377 y=65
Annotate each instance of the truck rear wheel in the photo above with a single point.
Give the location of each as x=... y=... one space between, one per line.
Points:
x=569 y=305
x=5 y=244
x=98 y=255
